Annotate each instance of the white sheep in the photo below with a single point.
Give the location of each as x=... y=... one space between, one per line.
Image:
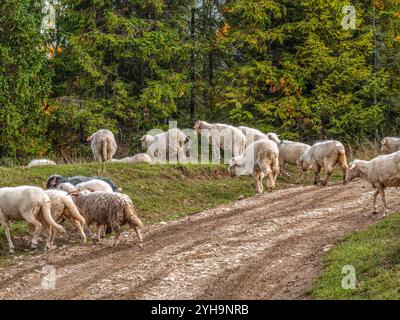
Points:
x=137 y=158
x=260 y=159
x=222 y=136
x=108 y=210
x=290 y=152
x=66 y=186
x=324 y=155
x=27 y=203
x=390 y=145
x=103 y=145
x=381 y=172
x=41 y=162
x=63 y=207
x=94 y=185
x=169 y=145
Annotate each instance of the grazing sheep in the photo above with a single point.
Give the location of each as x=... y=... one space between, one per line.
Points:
x=63 y=207
x=390 y=145
x=222 y=136
x=27 y=203
x=171 y=145
x=381 y=172
x=290 y=152
x=94 y=185
x=137 y=158
x=260 y=159
x=108 y=209
x=54 y=180
x=41 y=162
x=103 y=145
x=324 y=155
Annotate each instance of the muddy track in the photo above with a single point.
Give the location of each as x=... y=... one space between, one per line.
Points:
x=264 y=247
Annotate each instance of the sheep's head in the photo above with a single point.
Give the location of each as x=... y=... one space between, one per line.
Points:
x=274 y=137
x=53 y=181
x=352 y=171
x=385 y=149
x=90 y=138
x=198 y=126
x=146 y=140
x=232 y=168
x=303 y=163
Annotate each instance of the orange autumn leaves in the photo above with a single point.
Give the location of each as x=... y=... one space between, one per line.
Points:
x=282 y=86
x=223 y=31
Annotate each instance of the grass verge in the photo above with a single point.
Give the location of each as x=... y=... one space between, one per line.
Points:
x=375 y=255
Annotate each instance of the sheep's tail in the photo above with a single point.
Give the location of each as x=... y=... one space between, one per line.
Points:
x=132 y=218
x=104 y=149
x=342 y=159
x=49 y=219
x=69 y=203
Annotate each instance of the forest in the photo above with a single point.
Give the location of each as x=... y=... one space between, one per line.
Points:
x=70 y=67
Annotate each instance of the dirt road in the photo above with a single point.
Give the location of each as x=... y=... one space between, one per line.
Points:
x=264 y=247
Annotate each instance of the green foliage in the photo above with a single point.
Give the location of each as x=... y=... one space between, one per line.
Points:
x=24 y=80
x=129 y=66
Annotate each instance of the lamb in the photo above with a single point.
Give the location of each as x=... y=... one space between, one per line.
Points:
x=54 y=180
x=41 y=162
x=381 y=172
x=290 y=152
x=260 y=158
x=324 y=155
x=137 y=158
x=103 y=145
x=390 y=145
x=63 y=207
x=108 y=209
x=171 y=145
x=222 y=136
x=27 y=203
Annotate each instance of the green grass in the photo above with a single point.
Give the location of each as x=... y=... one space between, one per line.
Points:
x=375 y=255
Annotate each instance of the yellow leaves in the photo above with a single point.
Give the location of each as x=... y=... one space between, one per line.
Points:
x=378 y=4
x=47 y=108
x=268 y=82
x=51 y=51
x=397 y=38
x=223 y=32
x=397 y=14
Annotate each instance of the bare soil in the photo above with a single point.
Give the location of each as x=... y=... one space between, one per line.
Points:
x=268 y=246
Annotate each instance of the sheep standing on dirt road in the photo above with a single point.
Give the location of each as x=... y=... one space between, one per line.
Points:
x=290 y=152
x=381 y=172
x=260 y=159
x=390 y=145
x=62 y=206
x=222 y=136
x=103 y=145
x=108 y=209
x=27 y=203
x=41 y=162
x=324 y=155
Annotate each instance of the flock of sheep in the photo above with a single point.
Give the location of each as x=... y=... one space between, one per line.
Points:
x=84 y=201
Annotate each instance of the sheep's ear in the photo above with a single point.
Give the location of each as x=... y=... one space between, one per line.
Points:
x=74 y=193
x=91 y=190
x=233 y=162
x=352 y=165
x=142 y=138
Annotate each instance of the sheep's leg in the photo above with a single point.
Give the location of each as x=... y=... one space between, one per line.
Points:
x=382 y=192
x=375 y=196
x=139 y=235
x=6 y=228
x=317 y=172
x=99 y=231
x=271 y=181
x=50 y=238
x=256 y=179
x=328 y=170
x=78 y=226
x=37 y=229
x=117 y=238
